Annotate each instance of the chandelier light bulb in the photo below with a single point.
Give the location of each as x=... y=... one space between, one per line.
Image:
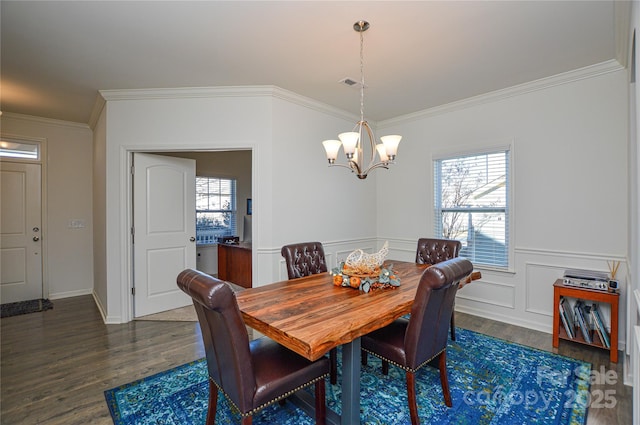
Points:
x=391 y=143
x=349 y=141
x=332 y=147
x=382 y=152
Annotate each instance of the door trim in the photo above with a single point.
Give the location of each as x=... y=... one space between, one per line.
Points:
x=125 y=251
x=44 y=227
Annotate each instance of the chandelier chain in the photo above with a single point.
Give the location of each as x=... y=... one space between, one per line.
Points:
x=361 y=74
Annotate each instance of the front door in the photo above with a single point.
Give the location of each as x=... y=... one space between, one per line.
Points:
x=20 y=232
x=164 y=205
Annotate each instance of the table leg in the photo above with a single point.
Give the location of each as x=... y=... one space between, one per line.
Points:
x=351 y=383
x=307 y=402
x=613 y=349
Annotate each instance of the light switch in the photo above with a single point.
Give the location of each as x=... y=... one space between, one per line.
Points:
x=76 y=223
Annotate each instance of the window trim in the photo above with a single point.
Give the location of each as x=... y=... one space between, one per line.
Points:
x=509 y=147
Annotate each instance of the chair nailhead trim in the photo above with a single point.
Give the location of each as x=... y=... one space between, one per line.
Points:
x=408 y=369
x=262 y=406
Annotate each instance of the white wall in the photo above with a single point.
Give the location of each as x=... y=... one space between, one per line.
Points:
x=68 y=251
x=100 y=289
x=245 y=118
x=570 y=187
x=568 y=137
x=311 y=201
x=569 y=176
x=181 y=122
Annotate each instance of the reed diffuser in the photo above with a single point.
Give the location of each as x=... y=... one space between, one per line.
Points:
x=613 y=271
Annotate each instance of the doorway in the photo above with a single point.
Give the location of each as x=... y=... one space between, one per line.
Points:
x=235 y=164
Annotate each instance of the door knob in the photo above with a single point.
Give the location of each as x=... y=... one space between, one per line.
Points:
x=36 y=239
x=192 y=239
x=36 y=229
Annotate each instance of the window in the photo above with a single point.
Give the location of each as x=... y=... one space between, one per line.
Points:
x=215 y=209
x=472 y=205
x=11 y=148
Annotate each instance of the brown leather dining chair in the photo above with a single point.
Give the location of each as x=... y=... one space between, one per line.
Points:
x=422 y=338
x=304 y=259
x=251 y=375
x=434 y=251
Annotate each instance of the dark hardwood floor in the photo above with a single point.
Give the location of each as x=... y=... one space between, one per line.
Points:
x=56 y=365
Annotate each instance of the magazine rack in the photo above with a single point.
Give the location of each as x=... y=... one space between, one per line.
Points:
x=559 y=332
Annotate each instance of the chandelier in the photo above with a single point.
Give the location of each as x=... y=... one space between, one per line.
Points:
x=353 y=142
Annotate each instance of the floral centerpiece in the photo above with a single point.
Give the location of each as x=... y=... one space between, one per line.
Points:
x=365 y=272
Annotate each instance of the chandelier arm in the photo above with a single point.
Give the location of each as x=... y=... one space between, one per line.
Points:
x=352 y=165
x=372 y=142
x=342 y=165
x=355 y=167
x=384 y=165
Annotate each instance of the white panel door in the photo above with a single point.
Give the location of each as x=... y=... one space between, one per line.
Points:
x=164 y=205
x=20 y=232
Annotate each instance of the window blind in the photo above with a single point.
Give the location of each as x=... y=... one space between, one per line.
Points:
x=472 y=205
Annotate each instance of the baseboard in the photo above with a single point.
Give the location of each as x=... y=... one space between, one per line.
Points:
x=70 y=294
x=504 y=318
x=518 y=322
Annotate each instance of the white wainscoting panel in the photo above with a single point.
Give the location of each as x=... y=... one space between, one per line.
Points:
x=539 y=279
x=491 y=293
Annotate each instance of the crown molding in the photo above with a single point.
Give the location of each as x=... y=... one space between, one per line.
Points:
x=310 y=103
x=536 y=85
x=105 y=96
x=46 y=121
x=622 y=12
x=217 y=92
x=98 y=106
x=186 y=93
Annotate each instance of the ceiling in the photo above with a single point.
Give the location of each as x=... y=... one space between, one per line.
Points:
x=56 y=55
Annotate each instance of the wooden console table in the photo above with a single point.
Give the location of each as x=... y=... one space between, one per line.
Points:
x=234 y=263
x=562 y=290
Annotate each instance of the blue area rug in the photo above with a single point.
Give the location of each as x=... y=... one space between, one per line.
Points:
x=491 y=381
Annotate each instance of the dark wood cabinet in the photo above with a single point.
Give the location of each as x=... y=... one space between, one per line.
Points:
x=234 y=263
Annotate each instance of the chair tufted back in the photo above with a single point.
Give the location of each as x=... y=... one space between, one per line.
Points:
x=304 y=259
x=427 y=331
x=434 y=251
x=224 y=334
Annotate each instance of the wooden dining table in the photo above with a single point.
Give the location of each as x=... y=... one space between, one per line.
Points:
x=311 y=315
